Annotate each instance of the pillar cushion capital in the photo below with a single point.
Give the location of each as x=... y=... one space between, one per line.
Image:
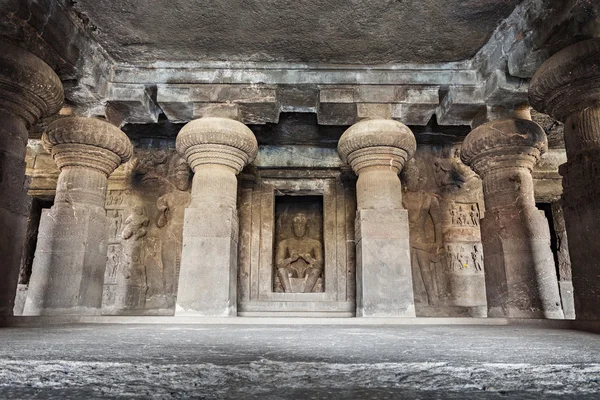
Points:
x=29 y=88
x=87 y=142
x=217 y=141
x=377 y=142
x=569 y=81
x=504 y=144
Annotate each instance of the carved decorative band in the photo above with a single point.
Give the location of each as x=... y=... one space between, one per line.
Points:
x=217 y=131
x=569 y=81
x=502 y=143
x=514 y=180
x=374 y=134
x=381 y=156
x=498 y=161
x=28 y=108
x=90 y=132
x=26 y=79
x=216 y=154
x=85 y=156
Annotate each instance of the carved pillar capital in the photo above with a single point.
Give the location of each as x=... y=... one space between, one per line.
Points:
x=569 y=81
x=504 y=144
x=217 y=141
x=88 y=143
x=379 y=143
x=29 y=88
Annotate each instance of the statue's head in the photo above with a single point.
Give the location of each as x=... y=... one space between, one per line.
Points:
x=299 y=225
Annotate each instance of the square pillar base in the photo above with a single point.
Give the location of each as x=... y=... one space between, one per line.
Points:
x=208 y=272
x=70 y=259
x=384 y=285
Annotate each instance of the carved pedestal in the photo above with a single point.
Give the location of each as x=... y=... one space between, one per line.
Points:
x=519 y=265
x=377 y=150
x=567 y=87
x=216 y=149
x=70 y=259
x=29 y=89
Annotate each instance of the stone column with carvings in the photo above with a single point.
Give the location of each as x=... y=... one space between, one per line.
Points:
x=520 y=273
x=29 y=90
x=216 y=149
x=70 y=259
x=567 y=87
x=377 y=150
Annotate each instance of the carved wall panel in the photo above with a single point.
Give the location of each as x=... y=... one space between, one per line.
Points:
x=444 y=199
x=259 y=291
x=145 y=207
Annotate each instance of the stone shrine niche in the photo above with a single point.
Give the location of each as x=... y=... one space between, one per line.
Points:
x=445 y=203
x=286 y=218
x=298 y=244
x=145 y=207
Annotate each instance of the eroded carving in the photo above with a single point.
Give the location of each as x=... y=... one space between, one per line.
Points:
x=423 y=208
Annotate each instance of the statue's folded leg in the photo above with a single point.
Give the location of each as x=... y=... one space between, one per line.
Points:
x=284 y=276
x=312 y=275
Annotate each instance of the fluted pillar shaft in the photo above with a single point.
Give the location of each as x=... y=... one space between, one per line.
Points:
x=567 y=87
x=377 y=150
x=520 y=273
x=29 y=90
x=70 y=258
x=216 y=149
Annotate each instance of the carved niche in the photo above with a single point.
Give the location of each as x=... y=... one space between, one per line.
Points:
x=269 y=205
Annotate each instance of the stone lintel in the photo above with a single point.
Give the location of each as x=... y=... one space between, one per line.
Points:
x=133 y=104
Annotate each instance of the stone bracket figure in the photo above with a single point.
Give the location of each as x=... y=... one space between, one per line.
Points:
x=299 y=257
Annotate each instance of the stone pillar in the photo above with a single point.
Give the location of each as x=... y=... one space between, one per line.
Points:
x=519 y=265
x=567 y=87
x=565 y=280
x=216 y=149
x=377 y=150
x=29 y=90
x=70 y=258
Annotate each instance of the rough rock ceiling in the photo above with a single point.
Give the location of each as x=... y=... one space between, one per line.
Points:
x=333 y=31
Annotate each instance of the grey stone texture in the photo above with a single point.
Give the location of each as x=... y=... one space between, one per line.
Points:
x=291 y=361
x=338 y=32
x=520 y=275
x=70 y=259
x=567 y=87
x=216 y=149
x=377 y=149
x=29 y=90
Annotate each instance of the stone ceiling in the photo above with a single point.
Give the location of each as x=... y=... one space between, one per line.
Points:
x=432 y=64
x=307 y=31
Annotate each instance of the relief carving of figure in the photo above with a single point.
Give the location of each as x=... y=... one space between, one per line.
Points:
x=477 y=256
x=135 y=224
x=474 y=214
x=463 y=258
x=171 y=208
x=299 y=257
x=423 y=207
